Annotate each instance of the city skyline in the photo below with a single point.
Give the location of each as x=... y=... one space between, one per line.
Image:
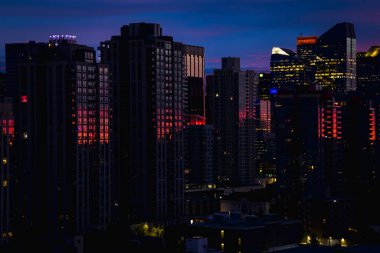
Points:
x=189 y=126
x=244 y=28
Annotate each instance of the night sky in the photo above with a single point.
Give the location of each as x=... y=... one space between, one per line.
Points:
x=242 y=28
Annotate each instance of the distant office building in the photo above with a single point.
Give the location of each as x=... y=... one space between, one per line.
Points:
x=288 y=70
x=307 y=47
x=231 y=96
x=199 y=151
x=201 y=197
x=62 y=99
x=298 y=148
x=195 y=68
x=368 y=72
x=264 y=86
x=308 y=127
x=149 y=91
x=307 y=50
x=7 y=181
x=326 y=149
x=232 y=63
x=265 y=138
x=348 y=133
x=336 y=65
x=326 y=136
x=198 y=142
x=210 y=101
x=264 y=114
x=350 y=141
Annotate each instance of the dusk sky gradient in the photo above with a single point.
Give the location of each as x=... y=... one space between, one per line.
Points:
x=244 y=28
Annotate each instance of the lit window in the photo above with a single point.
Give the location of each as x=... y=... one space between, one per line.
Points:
x=25 y=135
x=5 y=183
x=239 y=241
x=221 y=233
x=222 y=246
x=5 y=161
x=24 y=99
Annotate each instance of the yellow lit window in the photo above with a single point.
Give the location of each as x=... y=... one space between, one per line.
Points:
x=221 y=233
x=222 y=246
x=5 y=161
x=239 y=241
x=5 y=183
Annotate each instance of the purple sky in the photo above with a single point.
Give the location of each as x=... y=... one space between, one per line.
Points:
x=243 y=28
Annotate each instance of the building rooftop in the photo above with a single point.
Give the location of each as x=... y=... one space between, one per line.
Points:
x=230 y=220
x=324 y=249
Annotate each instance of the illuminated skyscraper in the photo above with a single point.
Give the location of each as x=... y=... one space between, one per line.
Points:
x=298 y=146
x=149 y=88
x=307 y=50
x=232 y=94
x=288 y=70
x=336 y=64
x=264 y=86
x=307 y=47
x=368 y=72
x=62 y=99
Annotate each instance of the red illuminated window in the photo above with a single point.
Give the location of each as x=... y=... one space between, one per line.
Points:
x=24 y=99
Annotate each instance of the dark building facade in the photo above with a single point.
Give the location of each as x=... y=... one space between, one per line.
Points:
x=198 y=144
x=149 y=91
x=326 y=153
x=62 y=100
x=199 y=151
x=298 y=162
x=7 y=169
x=368 y=72
x=231 y=99
x=2 y=83
x=265 y=155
